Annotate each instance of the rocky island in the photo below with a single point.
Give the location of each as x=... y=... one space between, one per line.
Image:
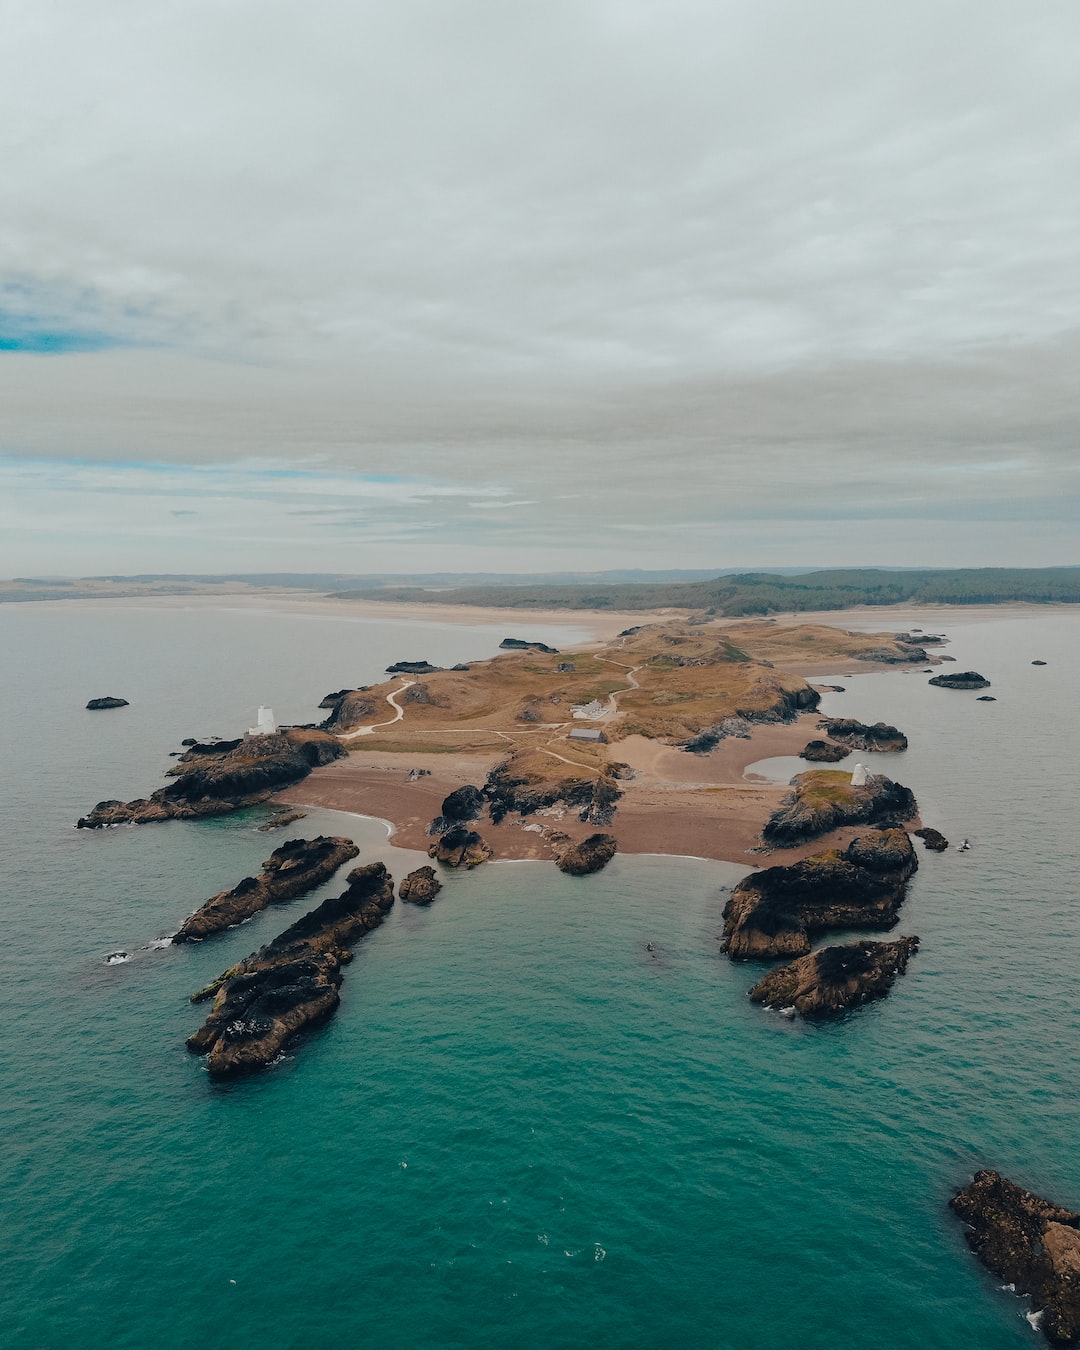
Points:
x=99 y=704
x=961 y=679
x=295 y=868
x=835 y=978
x=824 y=799
x=1030 y=1242
x=292 y=983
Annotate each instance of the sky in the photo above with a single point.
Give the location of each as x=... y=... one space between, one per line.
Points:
x=524 y=285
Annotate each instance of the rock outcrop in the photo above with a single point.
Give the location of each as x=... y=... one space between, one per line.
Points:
x=216 y=778
x=279 y=822
x=825 y=799
x=292 y=983
x=590 y=855
x=859 y=736
x=1038 y=663
x=773 y=913
x=520 y=645
x=420 y=887
x=527 y=784
x=934 y=840
x=459 y=847
x=413 y=668
x=835 y=978
x=986 y=698
x=1030 y=1242
x=99 y=704
x=824 y=752
x=961 y=679
x=351 y=708
x=295 y=868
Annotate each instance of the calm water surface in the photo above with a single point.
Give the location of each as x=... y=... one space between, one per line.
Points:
x=523 y=1128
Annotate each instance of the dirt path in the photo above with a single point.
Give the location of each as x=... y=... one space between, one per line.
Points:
x=391 y=698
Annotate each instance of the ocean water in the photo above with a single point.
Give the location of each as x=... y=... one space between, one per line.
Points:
x=523 y=1128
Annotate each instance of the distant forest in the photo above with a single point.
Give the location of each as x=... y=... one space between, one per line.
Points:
x=767 y=593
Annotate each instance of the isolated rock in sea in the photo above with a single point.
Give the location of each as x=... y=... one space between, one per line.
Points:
x=279 y=822
x=98 y=704
x=1038 y=663
x=520 y=645
x=292 y=983
x=773 y=913
x=824 y=752
x=590 y=855
x=459 y=847
x=298 y=866
x=824 y=799
x=961 y=679
x=420 y=887
x=986 y=698
x=835 y=978
x=1029 y=1242
x=413 y=668
x=855 y=735
x=934 y=840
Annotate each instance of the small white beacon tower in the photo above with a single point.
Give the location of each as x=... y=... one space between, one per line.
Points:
x=266 y=726
x=858 y=775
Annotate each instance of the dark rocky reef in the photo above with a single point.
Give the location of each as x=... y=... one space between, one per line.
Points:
x=1038 y=663
x=464 y=803
x=292 y=983
x=579 y=860
x=1030 y=1242
x=413 y=668
x=279 y=822
x=825 y=799
x=934 y=840
x=961 y=679
x=459 y=847
x=295 y=868
x=774 y=913
x=99 y=704
x=216 y=778
x=907 y=650
x=509 y=788
x=520 y=645
x=834 y=978
x=824 y=752
x=859 y=736
x=986 y=698
x=420 y=887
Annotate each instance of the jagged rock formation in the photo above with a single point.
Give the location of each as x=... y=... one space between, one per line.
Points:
x=413 y=668
x=934 y=840
x=525 y=784
x=961 y=679
x=774 y=913
x=298 y=866
x=579 y=860
x=216 y=778
x=1030 y=1242
x=464 y=803
x=460 y=847
x=859 y=736
x=520 y=645
x=835 y=978
x=351 y=708
x=824 y=799
x=99 y=704
x=332 y=700
x=292 y=983
x=420 y=887
x=279 y=822
x=781 y=705
x=824 y=752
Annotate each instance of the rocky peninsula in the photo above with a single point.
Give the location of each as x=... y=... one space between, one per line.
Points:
x=292 y=983
x=295 y=868
x=1032 y=1243
x=833 y=979
x=824 y=799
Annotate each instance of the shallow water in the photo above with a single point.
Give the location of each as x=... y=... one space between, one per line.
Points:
x=523 y=1127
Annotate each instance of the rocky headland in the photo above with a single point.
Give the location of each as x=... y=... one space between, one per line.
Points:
x=773 y=914
x=292 y=983
x=1030 y=1242
x=100 y=704
x=824 y=799
x=961 y=679
x=420 y=887
x=879 y=736
x=215 y=778
x=295 y=868
x=835 y=978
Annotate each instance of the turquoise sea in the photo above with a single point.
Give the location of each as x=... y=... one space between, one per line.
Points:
x=523 y=1128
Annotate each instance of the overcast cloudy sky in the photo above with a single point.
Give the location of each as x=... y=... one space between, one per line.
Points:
x=509 y=285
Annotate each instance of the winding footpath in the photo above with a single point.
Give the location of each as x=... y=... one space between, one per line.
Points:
x=392 y=700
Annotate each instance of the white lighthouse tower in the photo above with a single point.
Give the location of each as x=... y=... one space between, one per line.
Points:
x=266 y=726
x=858 y=777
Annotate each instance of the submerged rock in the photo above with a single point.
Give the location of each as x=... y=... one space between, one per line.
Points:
x=214 y=779
x=1030 y=1242
x=460 y=847
x=859 y=736
x=298 y=866
x=934 y=840
x=961 y=679
x=420 y=887
x=292 y=983
x=279 y=822
x=824 y=799
x=774 y=912
x=589 y=856
x=824 y=752
x=835 y=978
x=99 y=704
